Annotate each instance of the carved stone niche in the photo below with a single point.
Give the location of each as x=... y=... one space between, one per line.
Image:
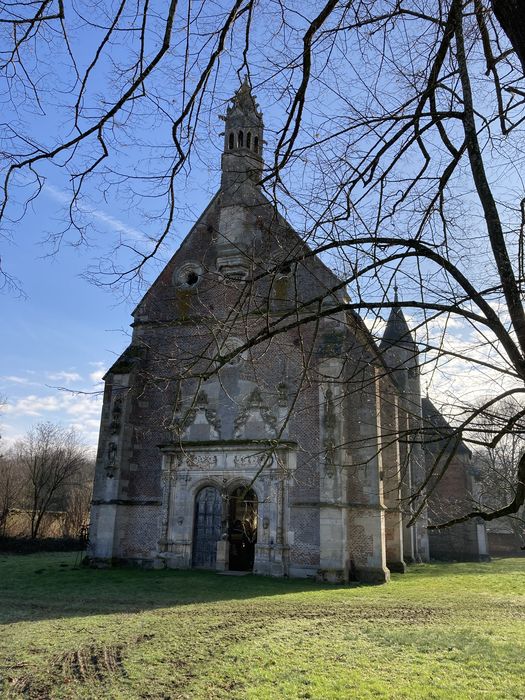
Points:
x=111 y=459
x=329 y=429
x=233 y=266
x=116 y=416
x=229 y=345
x=255 y=411
x=198 y=414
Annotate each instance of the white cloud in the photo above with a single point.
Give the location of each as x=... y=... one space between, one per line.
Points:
x=71 y=403
x=110 y=221
x=66 y=377
x=97 y=374
x=453 y=372
x=33 y=405
x=30 y=401
x=13 y=379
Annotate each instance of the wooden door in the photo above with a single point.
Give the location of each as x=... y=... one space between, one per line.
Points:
x=207 y=527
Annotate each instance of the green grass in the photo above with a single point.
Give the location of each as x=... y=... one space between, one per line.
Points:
x=440 y=631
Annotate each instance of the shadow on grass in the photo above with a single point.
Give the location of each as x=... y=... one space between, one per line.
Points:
x=53 y=585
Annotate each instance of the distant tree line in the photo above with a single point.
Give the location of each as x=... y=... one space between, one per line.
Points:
x=45 y=484
x=497 y=460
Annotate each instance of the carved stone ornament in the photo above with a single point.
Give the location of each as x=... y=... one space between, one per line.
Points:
x=254 y=405
x=230 y=345
x=165 y=479
x=250 y=461
x=116 y=416
x=203 y=461
x=198 y=413
x=282 y=391
x=112 y=453
x=188 y=275
x=111 y=460
x=329 y=425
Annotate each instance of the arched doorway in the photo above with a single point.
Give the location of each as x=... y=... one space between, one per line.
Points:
x=242 y=528
x=207 y=527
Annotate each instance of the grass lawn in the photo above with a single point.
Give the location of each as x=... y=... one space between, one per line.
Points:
x=440 y=631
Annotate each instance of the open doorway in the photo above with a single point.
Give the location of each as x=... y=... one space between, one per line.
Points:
x=242 y=528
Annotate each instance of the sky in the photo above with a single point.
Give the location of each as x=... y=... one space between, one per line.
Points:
x=61 y=332
x=59 y=336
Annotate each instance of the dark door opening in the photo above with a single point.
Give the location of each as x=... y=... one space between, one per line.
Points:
x=242 y=529
x=207 y=527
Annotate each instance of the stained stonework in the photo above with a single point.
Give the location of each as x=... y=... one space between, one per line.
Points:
x=286 y=457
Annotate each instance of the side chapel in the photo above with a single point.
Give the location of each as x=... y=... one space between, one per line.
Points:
x=287 y=457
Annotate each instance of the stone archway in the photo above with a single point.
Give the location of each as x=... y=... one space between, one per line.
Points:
x=207 y=527
x=242 y=528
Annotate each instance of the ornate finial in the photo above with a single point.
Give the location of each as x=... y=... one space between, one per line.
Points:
x=396 y=299
x=244 y=100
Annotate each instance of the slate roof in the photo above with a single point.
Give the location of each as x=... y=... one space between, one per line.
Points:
x=435 y=422
x=397 y=331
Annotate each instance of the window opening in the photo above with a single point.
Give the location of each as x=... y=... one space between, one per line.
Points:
x=241 y=139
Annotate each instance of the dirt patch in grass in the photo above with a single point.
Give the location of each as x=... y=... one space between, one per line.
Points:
x=92 y=663
x=87 y=665
x=28 y=687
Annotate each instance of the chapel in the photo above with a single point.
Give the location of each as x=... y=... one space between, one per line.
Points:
x=253 y=424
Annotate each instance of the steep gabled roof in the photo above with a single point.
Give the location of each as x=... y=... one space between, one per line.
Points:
x=397 y=331
x=437 y=427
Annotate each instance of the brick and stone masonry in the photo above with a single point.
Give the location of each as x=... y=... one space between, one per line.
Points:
x=247 y=426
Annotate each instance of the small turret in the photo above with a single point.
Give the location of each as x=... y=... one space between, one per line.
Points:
x=243 y=139
x=400 y=354
x=399 y=349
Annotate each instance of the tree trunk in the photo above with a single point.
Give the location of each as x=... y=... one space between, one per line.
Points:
x=511 y=16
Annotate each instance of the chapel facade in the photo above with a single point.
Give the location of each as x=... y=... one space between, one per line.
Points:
x=252 y=423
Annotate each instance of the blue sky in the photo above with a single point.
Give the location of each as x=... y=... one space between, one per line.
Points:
x=63 y=332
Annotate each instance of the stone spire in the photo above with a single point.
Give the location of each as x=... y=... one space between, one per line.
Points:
x=243 y=139
x=398 y=347
x=397 y=332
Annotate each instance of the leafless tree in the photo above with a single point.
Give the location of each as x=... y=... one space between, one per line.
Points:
x=8 y=486
x=77 y=500
x=497 y=466
x=397 y=148
x=48 y=459
x=9 y=489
